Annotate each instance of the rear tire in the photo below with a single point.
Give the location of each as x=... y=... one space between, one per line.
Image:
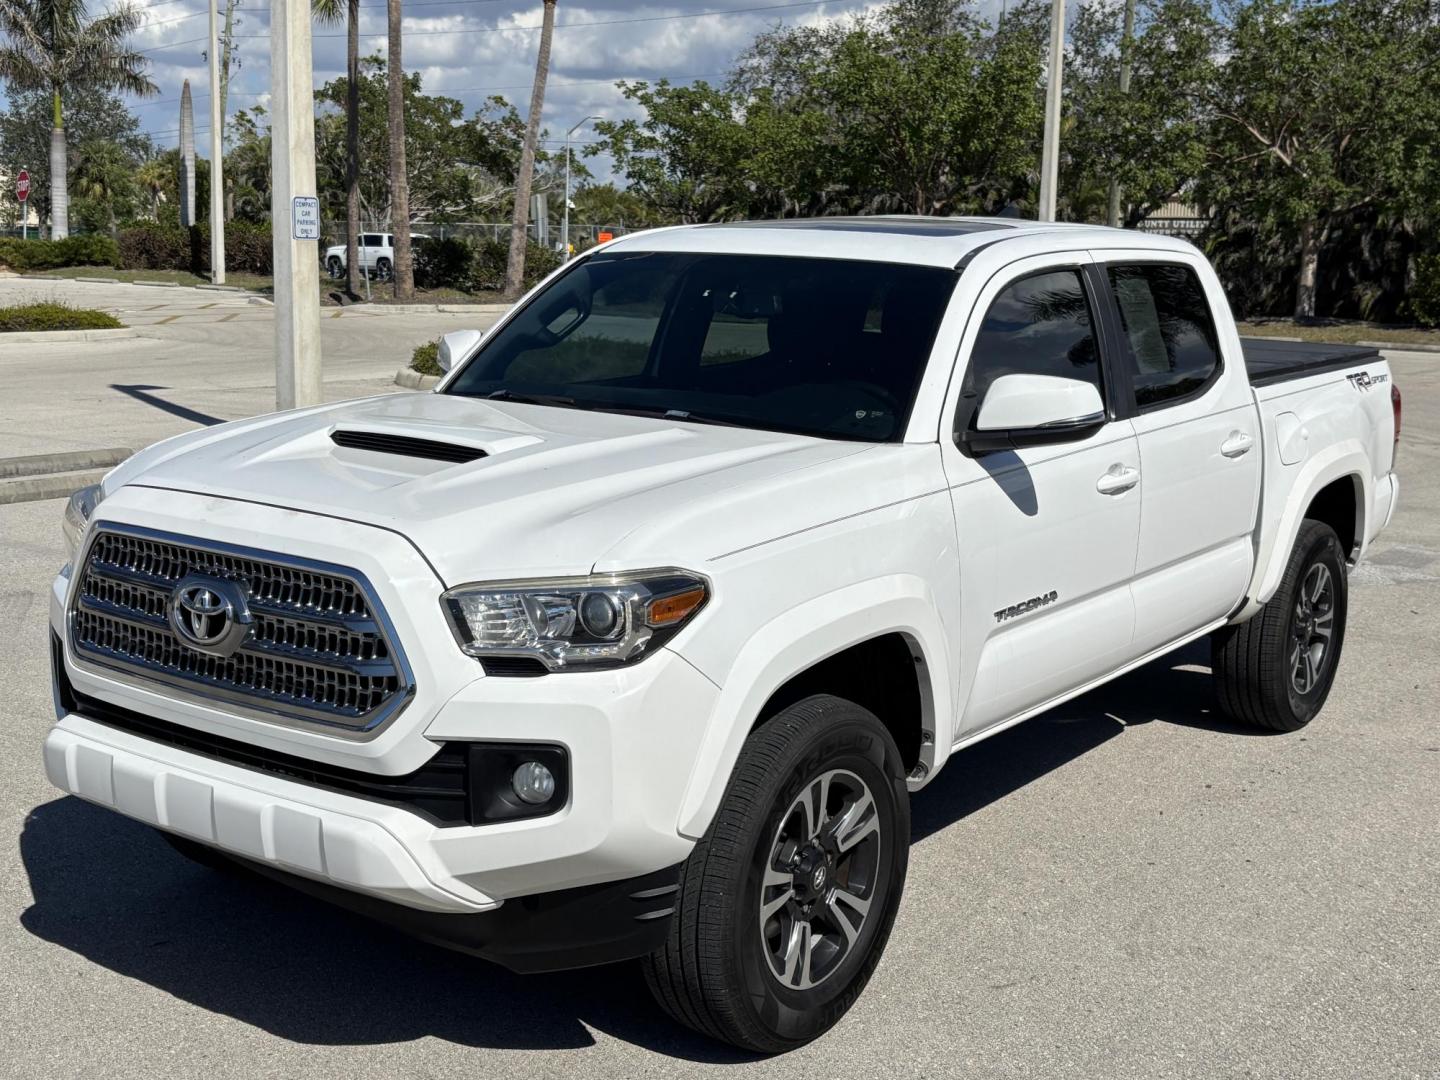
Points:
x=1275 y=670
x=337 y=268
x=764 y=951
x=383 y=269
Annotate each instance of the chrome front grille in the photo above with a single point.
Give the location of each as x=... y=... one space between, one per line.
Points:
x=319 y=650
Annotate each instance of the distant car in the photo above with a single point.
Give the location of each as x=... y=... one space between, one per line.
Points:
x=377 y=254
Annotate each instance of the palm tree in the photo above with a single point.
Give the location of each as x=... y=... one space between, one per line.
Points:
x=104 y=174
x=515 y=268
x=155 y=179
x=330 y=11
x=399 y=182
x=54 y=45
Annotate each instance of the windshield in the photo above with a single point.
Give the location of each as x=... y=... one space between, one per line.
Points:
x=814 y=346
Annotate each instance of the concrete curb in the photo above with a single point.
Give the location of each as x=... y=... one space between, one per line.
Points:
x=222 y=288
x=54 y=486
x=39 y=464
x=161 y=284
x=55 y=337
x=1400 y=346
x=413 y=380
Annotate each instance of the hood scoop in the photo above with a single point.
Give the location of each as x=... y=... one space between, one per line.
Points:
x=381 y=442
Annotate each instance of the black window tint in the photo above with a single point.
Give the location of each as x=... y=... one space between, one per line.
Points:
x=1169 y=330
x=1040 y=325
x=816 y=346
x=370 y=240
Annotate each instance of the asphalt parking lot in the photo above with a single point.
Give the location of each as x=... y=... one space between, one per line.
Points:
x=1126 y=886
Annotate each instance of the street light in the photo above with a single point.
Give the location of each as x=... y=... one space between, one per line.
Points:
x=565 y=229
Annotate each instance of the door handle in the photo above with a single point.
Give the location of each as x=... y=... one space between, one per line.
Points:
x=1117 y=480
x=1236 y=445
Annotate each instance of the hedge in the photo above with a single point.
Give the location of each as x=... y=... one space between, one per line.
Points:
x=150 y=245
x=28 y=255
x=21 y=317
x=476 y=266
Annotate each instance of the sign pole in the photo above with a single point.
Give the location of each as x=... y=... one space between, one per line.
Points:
x=294 y=209
x=217 y=155
x=22 y=194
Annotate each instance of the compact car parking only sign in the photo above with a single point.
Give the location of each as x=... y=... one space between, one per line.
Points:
x=305 y=217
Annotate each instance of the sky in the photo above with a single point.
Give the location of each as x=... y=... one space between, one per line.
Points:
x=471 y=49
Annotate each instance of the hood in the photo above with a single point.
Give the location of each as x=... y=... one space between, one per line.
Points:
x=550 y=491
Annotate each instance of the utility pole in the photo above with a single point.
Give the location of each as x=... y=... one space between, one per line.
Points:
x=565 y=229
x=1050 y=153
x=294 y=209
x=217 y=155
x=1112 y=216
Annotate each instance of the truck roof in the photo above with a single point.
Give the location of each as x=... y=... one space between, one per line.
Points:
x=900 y=238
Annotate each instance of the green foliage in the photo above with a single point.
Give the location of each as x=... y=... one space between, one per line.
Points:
x=154 y=245
x=478 y=266
x=426 y=359
x=25 y=256
x=53 y=316
x=1425 y=292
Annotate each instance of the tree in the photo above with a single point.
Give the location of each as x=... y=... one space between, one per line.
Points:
x=330 y=11
x=515 y=267
x=1322 y=112
x=54 y=46
x=404 y=268
x=105 y=176
x=91 y=115
x=457 y=166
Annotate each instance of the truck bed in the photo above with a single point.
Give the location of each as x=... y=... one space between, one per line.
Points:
x=1270 y=361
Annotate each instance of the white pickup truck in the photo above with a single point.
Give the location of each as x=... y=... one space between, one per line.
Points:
x=637 y=635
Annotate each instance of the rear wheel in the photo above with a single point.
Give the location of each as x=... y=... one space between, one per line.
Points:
x=1275 y=670
x=336 y=267
x=382 y=269
x=786 y=904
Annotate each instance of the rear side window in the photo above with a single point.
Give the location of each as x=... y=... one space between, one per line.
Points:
x=370 y=240
x=1040 y=325
x=1169 y=331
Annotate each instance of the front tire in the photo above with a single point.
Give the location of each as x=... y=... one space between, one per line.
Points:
x=1275 y=670
x=787 y=902
x=337 y=268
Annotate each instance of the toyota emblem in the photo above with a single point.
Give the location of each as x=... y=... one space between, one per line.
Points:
x=210 y=615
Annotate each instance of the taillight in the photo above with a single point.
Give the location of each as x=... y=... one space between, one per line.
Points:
x=1395 y=403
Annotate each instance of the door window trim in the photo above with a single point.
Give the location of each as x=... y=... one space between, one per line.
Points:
x=1125 y=354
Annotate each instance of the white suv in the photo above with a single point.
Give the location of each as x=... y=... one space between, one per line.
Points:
x=377 y=254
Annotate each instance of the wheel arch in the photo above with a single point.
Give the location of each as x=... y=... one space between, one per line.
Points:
x=1334 y=485
x=806 y=650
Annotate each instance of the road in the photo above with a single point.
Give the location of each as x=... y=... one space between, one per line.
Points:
x=1124 y=887
x=202 y=357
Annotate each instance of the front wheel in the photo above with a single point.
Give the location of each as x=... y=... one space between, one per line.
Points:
x=787 y=902
x=337 y=268
x=1275 y=670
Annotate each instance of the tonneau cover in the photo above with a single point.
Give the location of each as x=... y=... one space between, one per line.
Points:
x=1270 y=361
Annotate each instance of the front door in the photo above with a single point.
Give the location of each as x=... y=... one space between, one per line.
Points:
x=1047 y=534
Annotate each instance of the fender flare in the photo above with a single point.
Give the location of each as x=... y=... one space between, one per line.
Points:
x=1345 y=460
x=797 y=640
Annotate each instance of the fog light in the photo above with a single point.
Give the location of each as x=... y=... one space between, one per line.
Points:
x=533 y=783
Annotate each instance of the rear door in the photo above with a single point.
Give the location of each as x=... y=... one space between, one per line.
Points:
x=1199 y=438
x=1047 y=534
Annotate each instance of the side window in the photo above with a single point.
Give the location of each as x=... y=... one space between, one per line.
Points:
x=1169 y=330
x=1039 y=325
x=369 y=240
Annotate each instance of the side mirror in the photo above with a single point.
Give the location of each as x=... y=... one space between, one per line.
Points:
x=456 y=346
x=1034 y=410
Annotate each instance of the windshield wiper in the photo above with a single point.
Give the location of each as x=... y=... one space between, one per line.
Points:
x=505 y=394
x=665 y=414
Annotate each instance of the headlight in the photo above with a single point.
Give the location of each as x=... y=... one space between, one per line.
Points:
x=575 y=622
x=77 y=512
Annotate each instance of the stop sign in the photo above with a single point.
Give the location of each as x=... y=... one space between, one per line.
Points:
x=22 y=186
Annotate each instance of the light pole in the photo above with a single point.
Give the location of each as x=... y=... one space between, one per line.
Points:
x=565 y=228
x=1050 y=153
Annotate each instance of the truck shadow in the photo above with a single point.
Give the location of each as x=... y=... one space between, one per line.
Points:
x=113 y=891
